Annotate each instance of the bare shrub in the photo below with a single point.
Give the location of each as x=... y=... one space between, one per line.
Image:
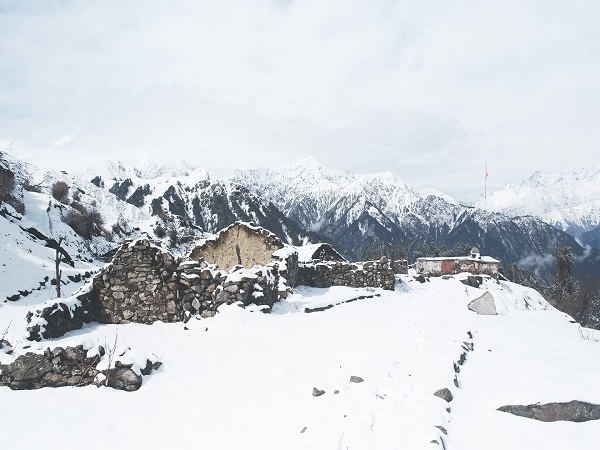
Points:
x=60 y=191
x=86 y=223
x=160 y=231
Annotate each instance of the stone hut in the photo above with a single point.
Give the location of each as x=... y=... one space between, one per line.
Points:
x=474 y=263
x=318 y=252
x=240 y=244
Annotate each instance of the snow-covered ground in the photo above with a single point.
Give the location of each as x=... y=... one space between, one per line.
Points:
x=244 y=379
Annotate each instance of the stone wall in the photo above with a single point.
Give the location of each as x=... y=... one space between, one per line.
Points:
x=69 y=366
x=368 y=274
x=140 y=285
x=144 y=284
x=286 y=260
x=239 y=244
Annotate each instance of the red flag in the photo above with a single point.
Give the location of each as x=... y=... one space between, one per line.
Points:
x=486 y=172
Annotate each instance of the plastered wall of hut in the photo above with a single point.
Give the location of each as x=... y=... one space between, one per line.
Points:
x=239 y=244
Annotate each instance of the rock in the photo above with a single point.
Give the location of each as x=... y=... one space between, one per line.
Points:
x=355 y=379
x=26 y=372
x=573 y=411
x=444 y=394
x=171 y=307
x=317 y=392
x=484 y=305
x=124 y=379
x=442 y=429
x=420 y=279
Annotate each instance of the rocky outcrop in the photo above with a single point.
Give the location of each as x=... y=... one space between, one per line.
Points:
x=327 y=274
x=573 y=411
x=69 y=366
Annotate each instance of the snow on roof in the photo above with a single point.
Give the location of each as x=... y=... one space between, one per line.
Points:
x=306 y=252
x=285 y=251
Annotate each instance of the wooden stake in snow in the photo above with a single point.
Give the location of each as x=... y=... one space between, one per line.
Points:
x=57 y=261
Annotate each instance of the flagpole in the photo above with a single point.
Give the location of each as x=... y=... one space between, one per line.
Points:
x=484 y=208
x=485 y=189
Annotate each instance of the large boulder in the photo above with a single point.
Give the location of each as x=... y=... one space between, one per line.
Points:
x=573 y=411
x=484 y=305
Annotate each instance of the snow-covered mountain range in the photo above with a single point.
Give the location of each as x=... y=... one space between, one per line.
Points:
x=569 y=202
x=361 y=214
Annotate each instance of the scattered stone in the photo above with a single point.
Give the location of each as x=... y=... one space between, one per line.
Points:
x=317 y=392
x=573 y=411
x=336 y=391
x=421 y=278
x=303 y=430
x=473 y=281
x=444 y=394
x=355 y=379
x=442 y=429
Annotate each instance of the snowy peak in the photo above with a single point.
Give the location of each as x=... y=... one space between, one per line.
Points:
x=307 y=190
x=570 y=202
x=147 y=170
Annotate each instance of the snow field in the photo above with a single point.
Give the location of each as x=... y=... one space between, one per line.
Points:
x=244 y=379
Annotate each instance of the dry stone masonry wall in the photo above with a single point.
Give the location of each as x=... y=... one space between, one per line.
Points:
x=144 y=284
x=368 y=274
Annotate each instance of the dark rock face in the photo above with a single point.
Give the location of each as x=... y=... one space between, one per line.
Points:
x=573 y=411
x=139 y=195
x=65 y=367
x=97 y=181
x=121 y=189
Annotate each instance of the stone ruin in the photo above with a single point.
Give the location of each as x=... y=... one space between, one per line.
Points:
x=144 y=284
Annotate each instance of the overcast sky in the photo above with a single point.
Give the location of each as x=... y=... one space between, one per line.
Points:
x=427 y=89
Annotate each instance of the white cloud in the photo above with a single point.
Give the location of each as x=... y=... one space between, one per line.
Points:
x=427 y=89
